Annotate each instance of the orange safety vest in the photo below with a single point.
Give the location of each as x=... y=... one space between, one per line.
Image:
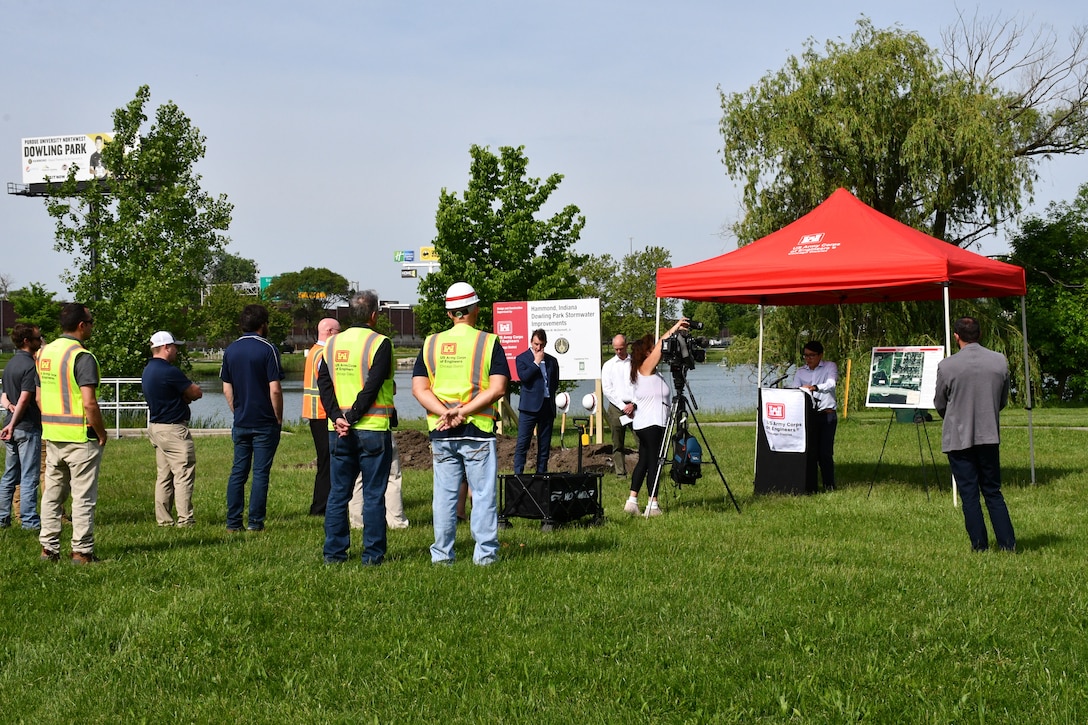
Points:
x=312 y=409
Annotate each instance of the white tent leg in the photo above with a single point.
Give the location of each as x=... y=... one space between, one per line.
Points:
x=1027 y=385
x=759 y=384
x=657 y=321
x=947 y=352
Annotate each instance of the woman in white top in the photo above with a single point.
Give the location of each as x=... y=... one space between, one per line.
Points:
x=652 y=400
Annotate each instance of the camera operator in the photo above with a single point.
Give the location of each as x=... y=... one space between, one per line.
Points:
x=652 y=400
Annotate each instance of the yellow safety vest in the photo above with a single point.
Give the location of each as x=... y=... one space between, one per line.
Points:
x=348 y=357
x=459 y=367
x=63 y=417
x=312 y=409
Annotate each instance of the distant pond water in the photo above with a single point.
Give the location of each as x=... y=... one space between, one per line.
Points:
x=713 y=389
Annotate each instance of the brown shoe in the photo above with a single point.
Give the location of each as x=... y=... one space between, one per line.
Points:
x=81 y=558
x=48 y=555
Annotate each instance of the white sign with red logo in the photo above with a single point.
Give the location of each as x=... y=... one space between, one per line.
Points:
x=573 y=328
x=784 y=419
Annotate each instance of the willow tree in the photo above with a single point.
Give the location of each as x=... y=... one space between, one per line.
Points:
x=946 y=144
x=494 y=237
x=143 y=238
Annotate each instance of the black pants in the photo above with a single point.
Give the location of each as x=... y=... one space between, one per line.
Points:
x=824 y=440
x=649 y=448
x=319 y=430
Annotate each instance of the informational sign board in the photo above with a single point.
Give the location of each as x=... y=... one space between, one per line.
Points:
x=404 y=255
x=903 y=377
x=427 y=254
x=50 y=158
x=573 y=328
x=409 y=273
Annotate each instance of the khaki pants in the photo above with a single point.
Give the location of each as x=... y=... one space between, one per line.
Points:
x=394 y=500
x=71 y=468
x=175 y=456
x=619 y=430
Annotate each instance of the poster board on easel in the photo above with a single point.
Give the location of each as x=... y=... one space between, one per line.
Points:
x=903 y=377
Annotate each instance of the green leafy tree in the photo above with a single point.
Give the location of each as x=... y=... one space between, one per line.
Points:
x=143 y=238
x=308 y=293
x=34 y=305
x=227 y=268
x=217 y=319
x=491 y=236
x=1053 y=250
x=628 y=291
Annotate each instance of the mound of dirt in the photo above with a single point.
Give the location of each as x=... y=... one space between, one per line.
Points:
x=415 y=453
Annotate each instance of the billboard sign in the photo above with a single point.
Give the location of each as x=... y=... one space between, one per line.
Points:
x=573 y=328
x=409 y=273
x=405 y=255
x=50 y=158
x=427 y=254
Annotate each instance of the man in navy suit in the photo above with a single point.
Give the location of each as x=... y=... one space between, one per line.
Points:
x=539 y=375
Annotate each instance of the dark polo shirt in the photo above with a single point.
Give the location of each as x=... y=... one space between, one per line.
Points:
x=250 y=363
x=163 y=386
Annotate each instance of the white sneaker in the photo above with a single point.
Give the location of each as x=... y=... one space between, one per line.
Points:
x=653 y=511
x=631 y=507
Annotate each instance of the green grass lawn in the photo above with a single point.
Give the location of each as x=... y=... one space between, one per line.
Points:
x=835 y=608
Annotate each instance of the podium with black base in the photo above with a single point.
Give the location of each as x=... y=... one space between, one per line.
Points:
x=553 y=498
x=786 y=472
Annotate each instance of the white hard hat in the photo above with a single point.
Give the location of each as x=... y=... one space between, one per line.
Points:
x=460 y=295
x=589 y=402
x=562 y=402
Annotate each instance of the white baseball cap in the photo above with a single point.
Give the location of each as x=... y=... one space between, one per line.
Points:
x=162 y=337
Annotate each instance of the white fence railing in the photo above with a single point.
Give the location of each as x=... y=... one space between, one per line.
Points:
x=117 y=405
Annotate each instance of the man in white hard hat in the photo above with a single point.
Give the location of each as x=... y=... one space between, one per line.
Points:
x=458 y=378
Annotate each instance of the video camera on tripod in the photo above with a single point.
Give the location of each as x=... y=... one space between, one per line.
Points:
x=682 y=350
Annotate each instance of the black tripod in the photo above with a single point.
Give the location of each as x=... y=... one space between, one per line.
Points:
x=919 y=420
x=676 y=432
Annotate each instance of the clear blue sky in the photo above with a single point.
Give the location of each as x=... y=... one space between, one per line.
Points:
x=332 y=127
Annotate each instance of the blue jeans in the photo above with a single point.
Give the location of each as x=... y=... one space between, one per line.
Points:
x=24 y=457
x=253 y=447
x=978 y=471
x=454 y=461
x=366 y=452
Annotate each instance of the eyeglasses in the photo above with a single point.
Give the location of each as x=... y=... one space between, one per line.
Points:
x=810 y=354
x=88 y=322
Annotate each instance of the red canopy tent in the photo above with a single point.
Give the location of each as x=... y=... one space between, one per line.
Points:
x=845 y=252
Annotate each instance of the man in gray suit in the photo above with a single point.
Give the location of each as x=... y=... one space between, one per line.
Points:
x=972 y=388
